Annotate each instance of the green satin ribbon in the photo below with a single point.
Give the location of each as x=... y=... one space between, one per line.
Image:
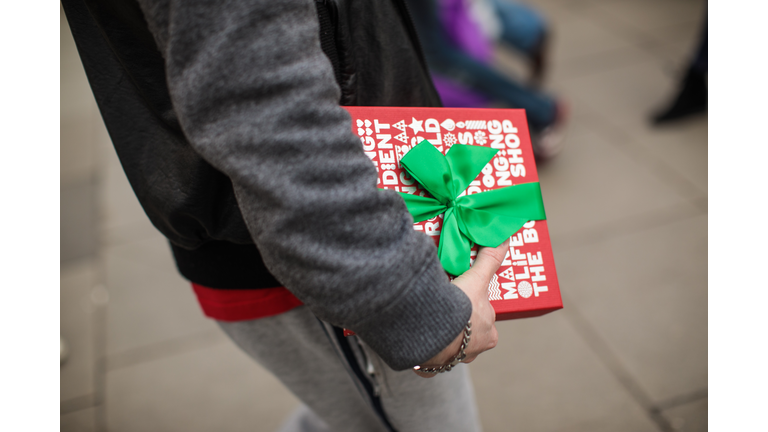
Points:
x=485 y=218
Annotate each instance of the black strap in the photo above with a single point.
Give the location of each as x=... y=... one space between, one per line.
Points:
x=361 y=376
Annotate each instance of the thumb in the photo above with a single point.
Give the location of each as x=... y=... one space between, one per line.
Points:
x=485 y=266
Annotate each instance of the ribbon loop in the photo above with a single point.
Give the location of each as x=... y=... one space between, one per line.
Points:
x=485 y=218
x=422 y=208
x=466 y=162
x=430 y=168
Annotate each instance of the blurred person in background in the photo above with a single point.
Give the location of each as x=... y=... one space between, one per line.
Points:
x=691 y=94
x=458 y=38
x=227 y=121
x=508 y=23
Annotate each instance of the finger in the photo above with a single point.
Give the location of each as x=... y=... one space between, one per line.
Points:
x=493 y=256
x=488 y=262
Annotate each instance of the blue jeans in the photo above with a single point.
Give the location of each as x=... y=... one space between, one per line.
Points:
x=448 y=61
x=521 y=26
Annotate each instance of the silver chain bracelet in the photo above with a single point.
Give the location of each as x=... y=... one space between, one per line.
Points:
x=455 y=360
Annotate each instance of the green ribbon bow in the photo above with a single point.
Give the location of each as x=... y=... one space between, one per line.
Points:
x=486 y=218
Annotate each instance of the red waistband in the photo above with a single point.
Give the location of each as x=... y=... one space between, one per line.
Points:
x=244 y=304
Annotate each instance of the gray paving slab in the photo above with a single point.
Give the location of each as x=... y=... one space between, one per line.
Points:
x=78 y=220
x=148 y=305
x=645 y=295
x=622 y=95
x=77 y=158
x=648 y=20
x=543 y=377
x=617 y=104
x=120 y=209
x=566 y=70
x=79 y=421
x=575 y=34
x=166 y=348
x=683 y=146
x=137 y=230
x=593 y=183
x=123 y=220
x=74 y=93
x=152 y=250
x=676 y=53
x=213 y=389
x=77 y=373
x=78 y=114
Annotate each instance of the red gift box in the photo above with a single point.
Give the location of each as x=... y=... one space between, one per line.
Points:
x=526 y=284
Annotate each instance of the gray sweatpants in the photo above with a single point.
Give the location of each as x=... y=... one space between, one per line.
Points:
x=346 y=387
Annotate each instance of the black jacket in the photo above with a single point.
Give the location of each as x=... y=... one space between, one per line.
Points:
x=226 y=119
x=377 y=61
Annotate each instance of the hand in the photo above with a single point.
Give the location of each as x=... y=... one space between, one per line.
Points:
x=474 y=282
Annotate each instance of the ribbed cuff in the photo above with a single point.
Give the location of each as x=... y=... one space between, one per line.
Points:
x=420 y=323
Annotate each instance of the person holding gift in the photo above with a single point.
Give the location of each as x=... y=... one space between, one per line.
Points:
x=227 y=121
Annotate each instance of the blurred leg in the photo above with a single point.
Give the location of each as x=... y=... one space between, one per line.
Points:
x=345 y=386
x=448 y=61
x=540 y=108
x=521 y=26
x=294 y=347
x=414 y=404
x=692 y=92
x=524 y=29
x=303 y=419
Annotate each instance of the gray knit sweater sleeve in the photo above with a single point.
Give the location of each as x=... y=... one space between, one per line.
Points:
x=256 y=97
